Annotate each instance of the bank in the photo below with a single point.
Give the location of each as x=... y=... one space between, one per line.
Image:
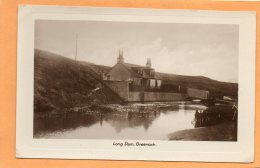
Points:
x=226 y=131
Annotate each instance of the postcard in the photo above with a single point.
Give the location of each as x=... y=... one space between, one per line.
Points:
x=135 y=84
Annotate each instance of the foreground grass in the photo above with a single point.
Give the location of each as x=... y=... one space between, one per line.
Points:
x=226 y=131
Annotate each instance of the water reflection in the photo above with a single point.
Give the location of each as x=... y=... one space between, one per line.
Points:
x=150 y=122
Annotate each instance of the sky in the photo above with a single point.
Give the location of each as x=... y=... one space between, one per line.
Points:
x=209 y=50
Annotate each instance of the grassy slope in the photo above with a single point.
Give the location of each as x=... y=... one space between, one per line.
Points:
x=58 y=84
x=222 y=132
x=216 y=88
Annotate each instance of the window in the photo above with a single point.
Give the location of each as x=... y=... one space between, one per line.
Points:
x=151 y=72
x=159 y=83
x=152 y=83
x=140 y=71
x=148 y=83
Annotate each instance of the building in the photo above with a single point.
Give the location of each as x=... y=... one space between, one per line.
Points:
x=139 y=77
x=135 y=83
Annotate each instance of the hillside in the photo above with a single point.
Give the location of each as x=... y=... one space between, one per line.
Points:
x=216 y=88
x=60 y=82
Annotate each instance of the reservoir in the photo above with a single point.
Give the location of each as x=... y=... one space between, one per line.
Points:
x=151 y=121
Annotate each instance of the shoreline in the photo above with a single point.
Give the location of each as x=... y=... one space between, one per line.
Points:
x=128 y=107
x=226 y=131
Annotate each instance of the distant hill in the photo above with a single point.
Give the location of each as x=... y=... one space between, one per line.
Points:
x=60 y=82
x=216 y=88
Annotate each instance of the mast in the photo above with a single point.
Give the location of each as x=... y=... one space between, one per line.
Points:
x=76 y=48
x=77 y=66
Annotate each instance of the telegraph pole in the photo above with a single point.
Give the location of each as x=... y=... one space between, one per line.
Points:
x=76 y=48
x=77 y=66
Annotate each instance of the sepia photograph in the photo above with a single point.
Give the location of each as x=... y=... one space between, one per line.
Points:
x=134 y=80
x=135 y=84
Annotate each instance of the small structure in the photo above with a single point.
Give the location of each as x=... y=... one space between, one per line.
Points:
x=227 y=98
x=197 y=93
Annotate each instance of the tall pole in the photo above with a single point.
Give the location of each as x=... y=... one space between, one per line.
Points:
x=76 y=48
x=77 y=65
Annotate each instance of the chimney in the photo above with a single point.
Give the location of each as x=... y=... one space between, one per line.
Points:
x=120 y=59
x=148 y=63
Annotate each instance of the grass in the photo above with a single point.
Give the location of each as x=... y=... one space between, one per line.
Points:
x=226 y=131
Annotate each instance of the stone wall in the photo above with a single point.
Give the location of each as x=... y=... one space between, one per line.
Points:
x=135 y=96
x=155 y=96
x=120 y=87
x=159 y=96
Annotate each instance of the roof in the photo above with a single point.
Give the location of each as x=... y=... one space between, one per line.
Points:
x=133 y=69
x=133 y=65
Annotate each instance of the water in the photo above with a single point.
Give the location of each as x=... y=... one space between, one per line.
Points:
x=146 y=124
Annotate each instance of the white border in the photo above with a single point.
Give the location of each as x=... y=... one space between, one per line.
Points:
x=240 y=151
